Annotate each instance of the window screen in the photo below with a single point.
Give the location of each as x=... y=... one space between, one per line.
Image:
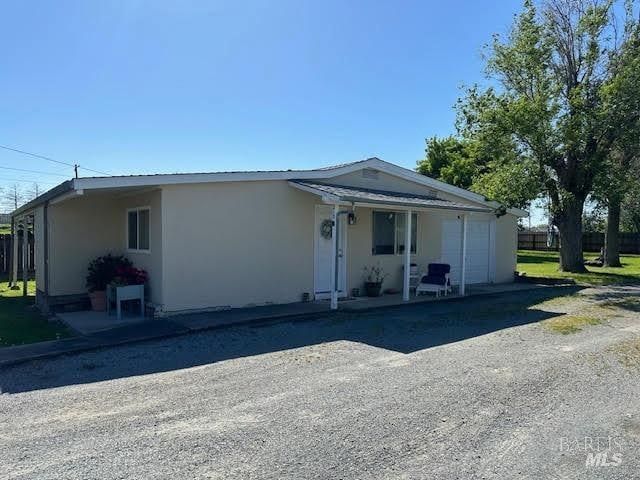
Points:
x=138 y=229
x=143 y=229
x=384 y=224
x=133 y=230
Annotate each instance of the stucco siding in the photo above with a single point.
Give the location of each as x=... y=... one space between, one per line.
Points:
x=81 y=229
x=89 y=226
x=150 y=261
x=506 y=248
x=236 y=244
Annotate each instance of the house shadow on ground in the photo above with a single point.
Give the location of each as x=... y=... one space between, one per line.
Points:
x=403 y=329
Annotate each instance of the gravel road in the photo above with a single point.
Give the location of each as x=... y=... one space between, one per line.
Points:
x=481 y=388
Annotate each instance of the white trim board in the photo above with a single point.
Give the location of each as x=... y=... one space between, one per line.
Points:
x=92 y=183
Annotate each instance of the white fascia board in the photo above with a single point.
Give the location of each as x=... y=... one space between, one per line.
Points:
x=67 y=196
x=190 y=178
x=187 y=178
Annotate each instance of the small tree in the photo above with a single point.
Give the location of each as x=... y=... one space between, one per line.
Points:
x=33 y=192
x=13 y=197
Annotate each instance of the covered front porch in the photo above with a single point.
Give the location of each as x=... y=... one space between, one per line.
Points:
x=99 y=323
x=72 y=227
x=347 y=228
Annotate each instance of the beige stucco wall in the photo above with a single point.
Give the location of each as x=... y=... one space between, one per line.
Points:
x=85 y=227
x=506 y=248
x=236 y=244
x=252 y=243
x=81 y=229
x=150 y=261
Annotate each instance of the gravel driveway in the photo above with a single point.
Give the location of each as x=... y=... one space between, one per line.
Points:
x=481 y=388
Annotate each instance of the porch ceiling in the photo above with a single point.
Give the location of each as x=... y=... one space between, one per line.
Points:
x=341 y=193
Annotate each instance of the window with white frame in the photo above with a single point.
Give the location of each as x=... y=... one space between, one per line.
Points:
x=389 y=232
x=138 y=229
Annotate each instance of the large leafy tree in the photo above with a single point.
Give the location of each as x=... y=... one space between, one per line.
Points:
x=450 y=160
x=630 y=220
x=622 y=167
x=553 y=73
x=483 y=165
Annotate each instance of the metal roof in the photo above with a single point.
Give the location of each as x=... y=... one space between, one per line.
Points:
x=320 y=175
x=384 y=197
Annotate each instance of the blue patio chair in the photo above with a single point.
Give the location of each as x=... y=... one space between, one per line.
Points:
x=436 y=279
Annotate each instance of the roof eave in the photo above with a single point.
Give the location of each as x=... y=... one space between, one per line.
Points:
x=415 y=206
x=62 y=189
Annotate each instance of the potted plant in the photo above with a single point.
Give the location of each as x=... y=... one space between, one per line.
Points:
x=373 y=278
x=101 y=273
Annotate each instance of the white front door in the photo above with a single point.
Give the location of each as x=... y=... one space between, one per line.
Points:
x=323 y=254
x=480 y=252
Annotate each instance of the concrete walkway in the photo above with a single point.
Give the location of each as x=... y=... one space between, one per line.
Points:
x=97 y=334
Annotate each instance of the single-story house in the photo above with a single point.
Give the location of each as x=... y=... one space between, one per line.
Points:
x=234 y=239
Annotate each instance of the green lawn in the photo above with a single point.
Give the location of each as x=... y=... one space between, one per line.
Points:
x=545 y=264
x=20 y=322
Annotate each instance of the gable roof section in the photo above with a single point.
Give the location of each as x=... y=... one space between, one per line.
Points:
x=382 y=197
x=91 y=183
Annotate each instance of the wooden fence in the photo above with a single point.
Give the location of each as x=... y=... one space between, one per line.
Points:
x=6 y=250
x=591 y=242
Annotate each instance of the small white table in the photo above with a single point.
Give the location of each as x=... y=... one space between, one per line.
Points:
x=120 y=294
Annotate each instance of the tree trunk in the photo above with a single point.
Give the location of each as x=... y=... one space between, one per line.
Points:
x=612 y=237
x=570 y=227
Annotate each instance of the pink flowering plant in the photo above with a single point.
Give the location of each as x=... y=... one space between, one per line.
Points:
x=129 y=275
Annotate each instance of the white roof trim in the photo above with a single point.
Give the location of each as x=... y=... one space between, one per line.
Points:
x=375 y=163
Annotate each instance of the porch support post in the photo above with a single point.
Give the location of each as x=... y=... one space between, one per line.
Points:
x=334 y=258
x=407 y=257
x=25 y=255
x=14 y=253
x=463 y=260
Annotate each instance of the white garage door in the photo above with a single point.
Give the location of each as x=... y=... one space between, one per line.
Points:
x=479 y=249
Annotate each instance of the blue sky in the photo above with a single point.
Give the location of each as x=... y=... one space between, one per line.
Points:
x=165 y=86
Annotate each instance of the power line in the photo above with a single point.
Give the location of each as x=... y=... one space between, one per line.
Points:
x=42 y=157
x=34 y=171
x=5 y=179
x=36 y=155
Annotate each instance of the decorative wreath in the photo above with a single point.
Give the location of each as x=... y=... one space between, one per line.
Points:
x=326 y=228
